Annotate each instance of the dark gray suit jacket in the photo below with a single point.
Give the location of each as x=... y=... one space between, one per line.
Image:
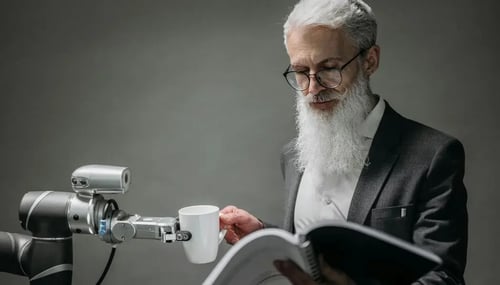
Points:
x=414 y=167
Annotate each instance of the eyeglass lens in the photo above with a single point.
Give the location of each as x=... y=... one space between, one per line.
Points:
x=329 y=78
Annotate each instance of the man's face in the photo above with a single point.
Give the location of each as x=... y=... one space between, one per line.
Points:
x=314 y=48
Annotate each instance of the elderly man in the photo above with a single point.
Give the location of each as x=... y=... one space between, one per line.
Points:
x=354 y=157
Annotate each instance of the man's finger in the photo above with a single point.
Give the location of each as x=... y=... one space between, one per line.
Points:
x=294 y=274
x=228 y=209
x=333 y=275
x=237 y=217
x=231 y=237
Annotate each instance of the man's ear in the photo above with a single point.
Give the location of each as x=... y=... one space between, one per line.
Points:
x=372 y=57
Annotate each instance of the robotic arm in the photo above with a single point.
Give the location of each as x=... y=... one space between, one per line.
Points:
x=52 y=218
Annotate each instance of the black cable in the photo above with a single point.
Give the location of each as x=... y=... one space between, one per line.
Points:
x=113 y=249
x=108 y=265
x=113 y=202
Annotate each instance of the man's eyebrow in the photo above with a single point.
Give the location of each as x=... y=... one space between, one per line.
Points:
x=326 y=60
x=334 y=58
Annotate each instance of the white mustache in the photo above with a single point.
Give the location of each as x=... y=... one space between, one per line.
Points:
x=323 y=96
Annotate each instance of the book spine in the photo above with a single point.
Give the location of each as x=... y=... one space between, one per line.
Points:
x=312 y=261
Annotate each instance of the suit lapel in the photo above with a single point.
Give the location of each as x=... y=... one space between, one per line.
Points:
x=292 y=190
x=381 y=157
x=292 y=181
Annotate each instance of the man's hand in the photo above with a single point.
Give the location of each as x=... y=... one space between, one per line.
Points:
x=298 y=277
x=238 y=223
x=294 y=274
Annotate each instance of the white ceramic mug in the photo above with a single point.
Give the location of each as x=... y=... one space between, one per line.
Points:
x=203 y=223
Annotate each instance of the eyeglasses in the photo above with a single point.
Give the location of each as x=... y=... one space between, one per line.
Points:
x=328 y=78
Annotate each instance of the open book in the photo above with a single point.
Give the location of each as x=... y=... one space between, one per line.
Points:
x=365 y=254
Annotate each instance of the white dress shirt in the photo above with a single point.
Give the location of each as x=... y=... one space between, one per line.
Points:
x=328 y=196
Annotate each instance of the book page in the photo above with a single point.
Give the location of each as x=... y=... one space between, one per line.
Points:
x=250 y=261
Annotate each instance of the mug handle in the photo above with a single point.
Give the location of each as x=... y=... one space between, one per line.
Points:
x=222 y=234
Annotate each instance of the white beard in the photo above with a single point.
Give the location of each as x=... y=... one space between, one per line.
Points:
x=329 y=141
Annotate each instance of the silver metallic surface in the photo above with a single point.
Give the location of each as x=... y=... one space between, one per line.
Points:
x=135 y=226
x=123 y=230
x=100 y=179
x=81 y=213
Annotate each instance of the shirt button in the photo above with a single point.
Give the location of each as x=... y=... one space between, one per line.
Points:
x=328 y=201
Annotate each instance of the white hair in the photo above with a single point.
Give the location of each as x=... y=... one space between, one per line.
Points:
x=355 y=17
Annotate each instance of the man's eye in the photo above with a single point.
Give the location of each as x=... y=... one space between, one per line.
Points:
x=330 y=67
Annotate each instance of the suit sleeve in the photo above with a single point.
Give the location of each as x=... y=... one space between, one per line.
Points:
x=441 y=221
x=282 y=165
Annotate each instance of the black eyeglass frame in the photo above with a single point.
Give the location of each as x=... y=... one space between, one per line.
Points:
x=318 y=79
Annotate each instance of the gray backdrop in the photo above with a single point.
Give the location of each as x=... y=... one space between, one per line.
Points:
x=190 y=96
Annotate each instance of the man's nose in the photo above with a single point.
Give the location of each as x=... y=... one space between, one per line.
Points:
x=314 y=86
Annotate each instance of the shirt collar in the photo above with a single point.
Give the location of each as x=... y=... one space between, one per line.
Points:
x=370 y=125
